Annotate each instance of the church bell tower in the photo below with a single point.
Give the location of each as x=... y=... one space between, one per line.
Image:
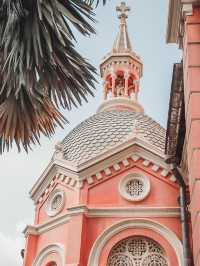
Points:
x=121 y=70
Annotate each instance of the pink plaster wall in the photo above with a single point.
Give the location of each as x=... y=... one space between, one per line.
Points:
x=79 y=234
x=72 y=199
x=192 y=103
x=107 y=193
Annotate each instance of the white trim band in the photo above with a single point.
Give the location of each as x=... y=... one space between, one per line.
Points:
x=130 y=212
x=166 y=233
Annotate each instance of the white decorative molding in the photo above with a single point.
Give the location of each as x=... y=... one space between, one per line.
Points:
x=164 y=173
x=113 y=230
x=155 y=167
x=90 y=180
x=77 y=210
x=59 y=153
x=187 y=7
x=99 y=176
x=172 y=178
x=68 y=180
x=79 y=184
x=73 y=182
x=134 y=187
x=47 y=226
x=62 y=178
x=40 y=199
x=116 y=167
x=135 y=157
x=57 y=175
x=52 y=171
x=146 y=163
x=54 y=248
x=119 y=101
x=134 y=212
x=107 y=171
x=93 y=177
x=132 y=149
x=55 y=202
x=125 y=162
x=52 y=183
x=120 y=212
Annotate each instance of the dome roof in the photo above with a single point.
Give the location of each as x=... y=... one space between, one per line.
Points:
x=106 y=130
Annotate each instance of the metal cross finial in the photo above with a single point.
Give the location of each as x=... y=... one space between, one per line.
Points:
x=122 y=10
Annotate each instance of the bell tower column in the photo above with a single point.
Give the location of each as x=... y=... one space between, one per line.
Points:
x=126 y=76
x=113 y=75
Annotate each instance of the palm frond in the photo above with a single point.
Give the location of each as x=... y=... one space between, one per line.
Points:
x=38 y=59
x=97 y=2
x=23 y=120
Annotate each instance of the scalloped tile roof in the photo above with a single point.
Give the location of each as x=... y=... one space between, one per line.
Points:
x=106 y=130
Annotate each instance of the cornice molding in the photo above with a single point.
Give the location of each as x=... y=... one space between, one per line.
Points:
x=110 y=57
x=78 y=173
x=120 y=212
x=47 y=226
x=135 y=212
x=58 y=171
x=104 y=170
x=178 y=10
x=120 y=102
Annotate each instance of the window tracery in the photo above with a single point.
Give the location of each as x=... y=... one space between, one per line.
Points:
x=55 y=202
x=134 y=187
x=137 y=251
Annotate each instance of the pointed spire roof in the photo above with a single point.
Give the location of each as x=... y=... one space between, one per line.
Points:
x=122 y=43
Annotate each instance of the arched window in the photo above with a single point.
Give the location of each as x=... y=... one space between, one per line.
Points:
x=52 y=263
x=52 y=255
x=137 y=251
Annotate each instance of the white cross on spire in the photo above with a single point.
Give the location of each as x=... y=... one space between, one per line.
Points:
x=123 y=9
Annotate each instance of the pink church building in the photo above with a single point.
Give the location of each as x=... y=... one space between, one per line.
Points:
x=108 y=197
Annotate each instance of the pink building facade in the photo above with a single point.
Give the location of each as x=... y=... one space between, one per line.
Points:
x=107 y=197
x=184 y=146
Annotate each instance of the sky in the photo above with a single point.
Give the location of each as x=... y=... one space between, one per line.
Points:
x=147 y=25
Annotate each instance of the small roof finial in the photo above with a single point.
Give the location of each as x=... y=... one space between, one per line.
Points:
x=122 y=43
x=123 y=10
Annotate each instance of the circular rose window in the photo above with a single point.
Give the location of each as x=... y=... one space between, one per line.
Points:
x=134 y=187
x=55 y=202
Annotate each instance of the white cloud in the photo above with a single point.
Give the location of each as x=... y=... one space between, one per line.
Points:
x=10 y=247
